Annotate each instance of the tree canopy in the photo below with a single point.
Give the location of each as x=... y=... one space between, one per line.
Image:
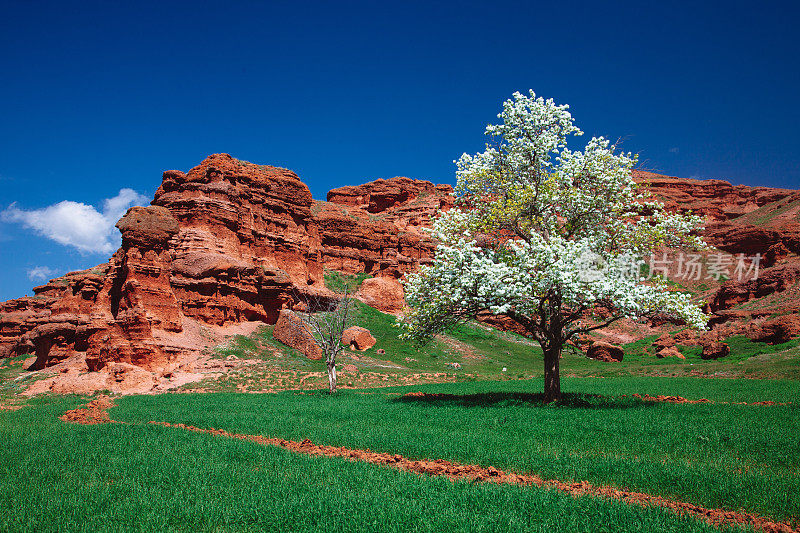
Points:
x=548 y=235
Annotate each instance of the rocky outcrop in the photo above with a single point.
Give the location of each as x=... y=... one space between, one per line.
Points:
x=226 y=242
x=717 y=200
x=53 y=321
x=403 y=200
x=358 y=338
x=230 y=242
x=776 y=331
x=291 y=331
x=604 y=351
x=769 y=281
x=137 y=299
x=382 y=293
x=749 y=221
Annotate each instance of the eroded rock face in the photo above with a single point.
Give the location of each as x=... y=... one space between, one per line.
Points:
x=137 y=297
x=716 y=199
x=226 y=242
x=290 y=331
x=382 y=293
x=378 y=227
x=230 y=242
x=358 y=338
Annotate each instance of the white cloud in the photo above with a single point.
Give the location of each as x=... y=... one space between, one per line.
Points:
x=41 y=273
x=77 y=224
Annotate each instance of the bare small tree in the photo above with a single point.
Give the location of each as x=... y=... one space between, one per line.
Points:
x=326 y=324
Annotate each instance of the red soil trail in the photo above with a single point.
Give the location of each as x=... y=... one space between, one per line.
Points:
x=680 y=399
x=440 y=467
x=95 y=412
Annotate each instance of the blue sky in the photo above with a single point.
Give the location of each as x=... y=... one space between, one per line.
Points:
x=98 y=98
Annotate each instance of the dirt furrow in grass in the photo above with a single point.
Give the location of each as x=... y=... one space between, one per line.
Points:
x=441 y=467
x=95 y=412
x=680 y=399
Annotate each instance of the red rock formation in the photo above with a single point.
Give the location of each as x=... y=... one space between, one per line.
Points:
x=604 y=351
x=230 y=242
x=396 y=197
x=743 y=220
x=377 y=227
x=358 y=338
x=715 y=199
x=137 y=299
x=54 y=320
x=290 y=331
x=226 y=242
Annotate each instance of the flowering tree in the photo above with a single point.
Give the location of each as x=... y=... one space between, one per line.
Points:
x=547 y=236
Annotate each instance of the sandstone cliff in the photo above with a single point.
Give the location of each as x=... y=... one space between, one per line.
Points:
x=230 y=242
x=227 y=242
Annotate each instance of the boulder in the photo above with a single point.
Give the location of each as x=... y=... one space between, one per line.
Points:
x=290 y=331
x=383 y=293
x=664 y=341
x=130 y=379
x=358 y=338
x=715 y=350
x=686 y=337
x=147 y=227
x=669 y=351
x=604 y=351
x=776 y=331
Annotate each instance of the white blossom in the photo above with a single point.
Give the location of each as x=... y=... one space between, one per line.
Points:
x=531 y=216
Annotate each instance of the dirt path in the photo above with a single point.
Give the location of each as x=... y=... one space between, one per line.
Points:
x=680 y=399
x=441 y=467
x=95 y=413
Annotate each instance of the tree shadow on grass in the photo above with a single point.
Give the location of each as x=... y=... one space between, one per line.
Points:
x=569 y=400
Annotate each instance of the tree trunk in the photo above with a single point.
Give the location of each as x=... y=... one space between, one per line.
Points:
x=332 y=376
x=552 y=379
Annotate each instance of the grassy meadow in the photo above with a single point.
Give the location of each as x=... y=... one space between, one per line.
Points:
x=135 y=476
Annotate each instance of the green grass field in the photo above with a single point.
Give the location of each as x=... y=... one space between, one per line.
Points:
x=136 y=476
x=716 y=455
